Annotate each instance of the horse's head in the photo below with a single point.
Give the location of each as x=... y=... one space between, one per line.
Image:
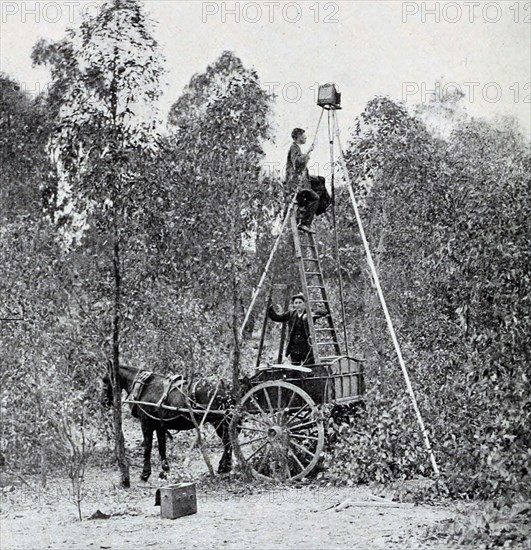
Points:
x=106 y=392
x=125 y=379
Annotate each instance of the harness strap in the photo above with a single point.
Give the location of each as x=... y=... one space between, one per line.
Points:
x=170 y=383
x=193 y=390
x=138 y=385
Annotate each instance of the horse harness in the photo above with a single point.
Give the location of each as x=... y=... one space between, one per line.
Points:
x=170 y=383
x=138 y=385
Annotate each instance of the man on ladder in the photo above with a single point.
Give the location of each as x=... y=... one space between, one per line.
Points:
x=298 y=181
x=299 y=348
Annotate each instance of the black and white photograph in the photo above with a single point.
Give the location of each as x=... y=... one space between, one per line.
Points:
x=265 y=274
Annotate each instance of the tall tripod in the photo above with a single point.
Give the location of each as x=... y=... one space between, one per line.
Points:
x=334 y=136
x=332 y=121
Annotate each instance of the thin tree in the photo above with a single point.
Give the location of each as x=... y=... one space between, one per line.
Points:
x=105 y=86
x=219 y=126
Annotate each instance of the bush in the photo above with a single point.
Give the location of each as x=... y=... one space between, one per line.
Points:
x=483 y=454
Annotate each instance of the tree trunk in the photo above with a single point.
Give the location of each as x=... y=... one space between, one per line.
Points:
x=119 y=439
x=43 y=463
x=236 y=354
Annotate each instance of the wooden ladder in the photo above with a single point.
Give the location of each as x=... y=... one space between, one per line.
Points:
x=325 y=344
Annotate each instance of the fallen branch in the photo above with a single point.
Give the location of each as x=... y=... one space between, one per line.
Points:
x=197 y=441
x=367 y=504
x=379 y=499
x=197 y=427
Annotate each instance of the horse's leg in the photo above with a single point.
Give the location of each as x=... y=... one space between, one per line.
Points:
x=161 y=438
x=222 y=429
x=147 y=431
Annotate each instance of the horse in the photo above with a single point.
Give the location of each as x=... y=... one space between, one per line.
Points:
x=159 y=419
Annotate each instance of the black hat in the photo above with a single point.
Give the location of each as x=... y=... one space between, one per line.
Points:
x=300 y=296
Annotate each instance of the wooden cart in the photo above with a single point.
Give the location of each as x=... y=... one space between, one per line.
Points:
x=278 y=429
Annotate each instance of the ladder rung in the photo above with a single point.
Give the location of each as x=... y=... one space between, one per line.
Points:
x=308 y=246
x=331 y=343
x=319 y=301
x=330 y=357
x=325 y=329
x=313 y=273
x=315 y=286
x=310 y=259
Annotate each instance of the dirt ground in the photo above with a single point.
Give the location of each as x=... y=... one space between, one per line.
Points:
x=231 y=514
x=273 y=517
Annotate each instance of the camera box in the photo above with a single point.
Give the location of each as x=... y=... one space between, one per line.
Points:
x=328 y=96
x=177 y=500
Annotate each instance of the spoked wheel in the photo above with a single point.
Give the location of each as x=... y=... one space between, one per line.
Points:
x=277 y=431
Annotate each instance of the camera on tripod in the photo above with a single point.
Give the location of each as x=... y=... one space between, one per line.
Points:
x=328 y=97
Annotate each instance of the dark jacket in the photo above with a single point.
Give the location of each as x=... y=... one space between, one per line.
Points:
x=296 y=171
x=298 y=330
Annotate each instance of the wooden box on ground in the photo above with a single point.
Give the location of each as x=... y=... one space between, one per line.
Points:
x=178 y=500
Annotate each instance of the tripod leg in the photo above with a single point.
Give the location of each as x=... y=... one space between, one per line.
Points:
x=264 y=328
x=266 y=269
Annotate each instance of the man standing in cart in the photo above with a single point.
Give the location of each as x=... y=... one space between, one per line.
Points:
x=298 y=181
x=299 y=348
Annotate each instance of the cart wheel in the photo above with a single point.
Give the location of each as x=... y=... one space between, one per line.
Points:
x=277 y=431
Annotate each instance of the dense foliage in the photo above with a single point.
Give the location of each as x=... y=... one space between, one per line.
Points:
x=448 y=224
